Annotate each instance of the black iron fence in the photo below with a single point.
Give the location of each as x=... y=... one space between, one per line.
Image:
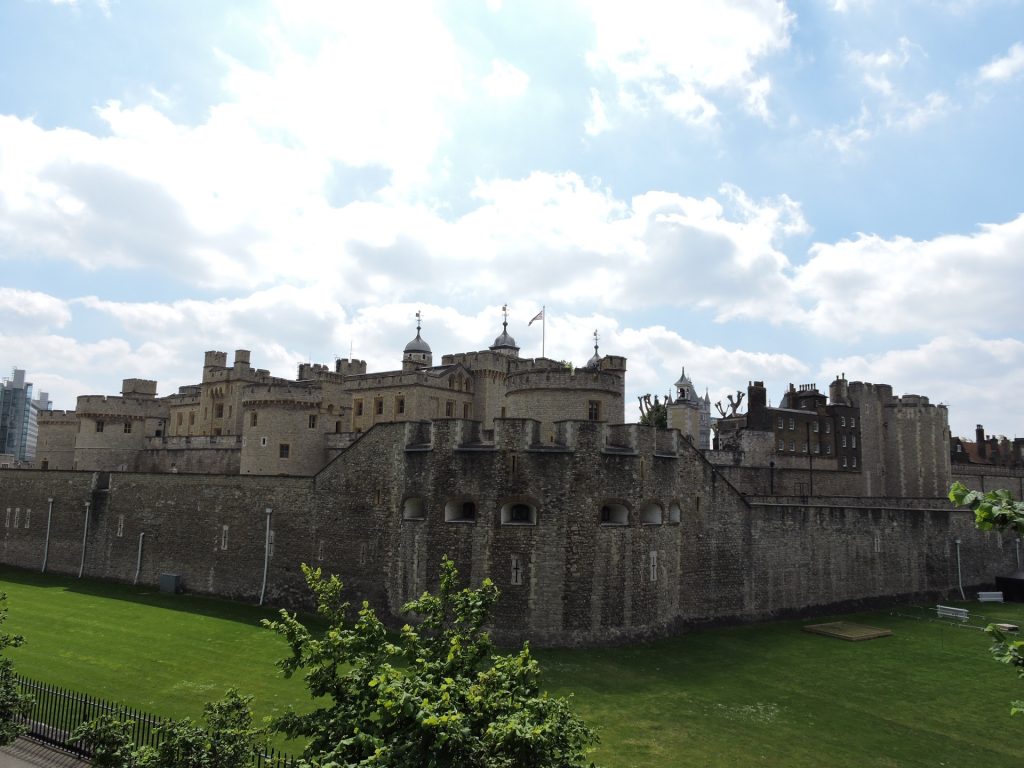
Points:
x=56 y=712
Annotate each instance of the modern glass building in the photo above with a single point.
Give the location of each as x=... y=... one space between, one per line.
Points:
x=19 y=412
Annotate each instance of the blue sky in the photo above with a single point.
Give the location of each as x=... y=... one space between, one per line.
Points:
x=755 y=190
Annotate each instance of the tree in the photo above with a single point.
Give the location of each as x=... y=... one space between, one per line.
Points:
x=435 y=695
x=997 y=510
x=228 y=739
x=653 y=414
x=13 y=703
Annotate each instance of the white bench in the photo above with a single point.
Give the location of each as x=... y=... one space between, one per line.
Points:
x=990 y=597
x=948 y=612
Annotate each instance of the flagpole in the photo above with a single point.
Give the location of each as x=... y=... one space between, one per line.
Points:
x=543 y=328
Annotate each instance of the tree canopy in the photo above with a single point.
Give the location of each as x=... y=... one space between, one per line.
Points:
x=997 y=510
x=434 y=695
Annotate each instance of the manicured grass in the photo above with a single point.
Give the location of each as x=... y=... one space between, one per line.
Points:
x=165 y=654
x=769 y=694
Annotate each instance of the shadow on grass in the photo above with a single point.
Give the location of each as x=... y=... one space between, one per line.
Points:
x=200 y=605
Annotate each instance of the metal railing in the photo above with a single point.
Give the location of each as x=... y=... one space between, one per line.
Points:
x=56 y=712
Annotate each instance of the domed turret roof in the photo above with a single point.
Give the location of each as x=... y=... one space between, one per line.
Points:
x=505 y=344
x=417 y=344
x=504 y=340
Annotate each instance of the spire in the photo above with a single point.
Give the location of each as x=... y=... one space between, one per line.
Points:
x=595 y=361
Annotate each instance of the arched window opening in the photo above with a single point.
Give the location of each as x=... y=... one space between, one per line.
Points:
x=651 y=513
x=675 y=512
x=460 y=511
x=413 y=509
x=518 y=513
x=614 y=513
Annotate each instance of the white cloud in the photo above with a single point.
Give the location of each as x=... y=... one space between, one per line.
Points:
x=31 y=310
x=975 y=377
x=597 y=121
x=871 y=285
x=1005 y=67
x=684 y=57
x=505 y=80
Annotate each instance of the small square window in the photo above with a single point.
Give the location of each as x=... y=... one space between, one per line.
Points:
x=283 y=450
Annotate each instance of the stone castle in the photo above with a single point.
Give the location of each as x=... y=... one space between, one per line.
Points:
x=522 y=471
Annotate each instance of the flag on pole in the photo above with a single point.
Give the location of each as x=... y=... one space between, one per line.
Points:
x=539 y=316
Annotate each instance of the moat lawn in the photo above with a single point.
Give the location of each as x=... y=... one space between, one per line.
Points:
x=769 y=694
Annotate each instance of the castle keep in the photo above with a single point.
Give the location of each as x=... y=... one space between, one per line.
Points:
x=521 y=471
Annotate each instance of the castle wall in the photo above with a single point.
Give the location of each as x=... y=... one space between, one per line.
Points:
x=677 y=546
x=55 y=448
x=981 y=477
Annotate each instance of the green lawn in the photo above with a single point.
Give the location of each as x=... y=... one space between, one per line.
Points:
x=930 y=695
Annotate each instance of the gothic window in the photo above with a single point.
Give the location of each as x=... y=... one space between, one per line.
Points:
x=594 y=410
x=312 y=421
x=378 y=406
x=460 y=511
x=466 y=410
x=449 y=408
x=518 y=513
x=413 y=509
x=614 y=513
x=359 y=407
x=400 y=405
x=127 y=427
x=253 y=419
x=99 y=426
x=218 y=411
x=651 y=513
